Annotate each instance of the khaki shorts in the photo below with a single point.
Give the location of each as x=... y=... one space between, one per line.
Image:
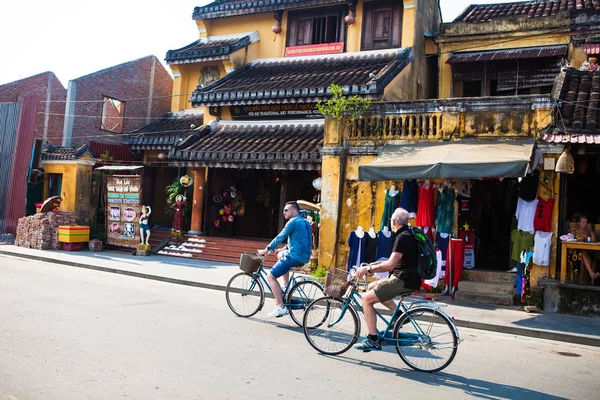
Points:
x=388 y=288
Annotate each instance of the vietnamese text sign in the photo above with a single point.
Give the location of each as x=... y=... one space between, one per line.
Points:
x=123 y=198
x=278 y=111
x=314 y=49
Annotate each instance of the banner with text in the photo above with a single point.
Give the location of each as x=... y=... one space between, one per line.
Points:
x=123 y=209
x=275 y=111
x=314 y=49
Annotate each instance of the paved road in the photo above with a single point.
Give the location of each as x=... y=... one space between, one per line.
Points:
x=68 y=333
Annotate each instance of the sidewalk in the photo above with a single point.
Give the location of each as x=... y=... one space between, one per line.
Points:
x=215 y=275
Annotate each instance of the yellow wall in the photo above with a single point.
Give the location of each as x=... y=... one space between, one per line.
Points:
x=76 y=186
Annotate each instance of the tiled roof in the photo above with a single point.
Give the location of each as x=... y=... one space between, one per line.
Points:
x=66 y=153
x=164 y=133
x=578 y=103
x=258 y=144
x=211 y=48
x=227 y=8
x=509 y=54
x=305 y=79
x=533 y=9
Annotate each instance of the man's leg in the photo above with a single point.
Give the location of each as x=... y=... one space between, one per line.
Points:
x=281 y=268
x=276 y=289
x=369 y=300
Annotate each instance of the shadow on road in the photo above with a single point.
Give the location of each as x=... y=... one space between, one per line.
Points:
x=473 y=387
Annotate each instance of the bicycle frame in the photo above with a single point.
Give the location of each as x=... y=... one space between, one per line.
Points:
x=260 y=277
x=405 y=338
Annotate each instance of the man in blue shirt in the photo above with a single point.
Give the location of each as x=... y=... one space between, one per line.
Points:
x=298 y=233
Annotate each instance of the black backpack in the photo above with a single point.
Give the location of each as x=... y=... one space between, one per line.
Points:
x=426 y=257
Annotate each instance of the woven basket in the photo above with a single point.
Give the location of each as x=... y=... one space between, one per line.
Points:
x=336 y=283
x=250 y=262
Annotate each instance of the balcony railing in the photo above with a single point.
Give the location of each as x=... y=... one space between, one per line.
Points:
x=451 y=118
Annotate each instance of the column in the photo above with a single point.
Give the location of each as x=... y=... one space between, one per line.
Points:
x=198 y=202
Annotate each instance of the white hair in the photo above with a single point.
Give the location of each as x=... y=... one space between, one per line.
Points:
x=400 y=215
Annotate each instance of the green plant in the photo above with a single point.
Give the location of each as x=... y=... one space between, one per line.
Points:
x=320 y=272
x=172 y=191
x=340 y=105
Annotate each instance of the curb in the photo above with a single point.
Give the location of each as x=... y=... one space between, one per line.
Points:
x=511 y=330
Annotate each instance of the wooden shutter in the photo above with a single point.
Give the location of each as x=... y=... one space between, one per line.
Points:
x=382 y=26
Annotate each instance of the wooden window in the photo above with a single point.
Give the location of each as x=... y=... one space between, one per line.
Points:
x=113 y=115
x=382 y=26
x=316 y=26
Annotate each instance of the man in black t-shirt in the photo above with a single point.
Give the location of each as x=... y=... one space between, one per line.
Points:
x=404 y=278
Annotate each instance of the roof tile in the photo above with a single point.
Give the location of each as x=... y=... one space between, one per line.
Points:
x=304 y=79
x=578 y=104
x=164 y=133
x=478 y=13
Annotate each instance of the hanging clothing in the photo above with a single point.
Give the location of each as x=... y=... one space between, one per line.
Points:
x=519 y=279
x=390 y=205
x=464 y=187
x=542 y=220
x=441 y=242
x=444 y=219
x=385 y=243
x=520 y=241
x=525 y=214
x=464 y=206
x=455 y=263
x=410 y=197
x=433 y=282
x=426 y=205
x=527 y=276
x=358 y=246
x=469 y=238
x=528 y=187
x=371 y=248
x=541 y=248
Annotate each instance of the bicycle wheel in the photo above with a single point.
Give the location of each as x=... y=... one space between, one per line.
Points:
x=433 y=344
x=300 y=296
x=331 y=326
x=245 y=294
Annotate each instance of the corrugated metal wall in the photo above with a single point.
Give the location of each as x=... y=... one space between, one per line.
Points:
x=21 y=158
x=9 y=116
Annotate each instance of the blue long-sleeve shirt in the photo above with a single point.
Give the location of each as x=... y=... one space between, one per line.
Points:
x=298 y=232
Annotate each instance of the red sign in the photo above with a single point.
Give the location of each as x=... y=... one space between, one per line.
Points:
x=314 y=49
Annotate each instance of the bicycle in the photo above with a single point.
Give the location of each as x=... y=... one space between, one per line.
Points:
x=245 y=291
x=425 y=337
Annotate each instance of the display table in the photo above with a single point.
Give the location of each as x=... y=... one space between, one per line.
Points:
x=573 y=245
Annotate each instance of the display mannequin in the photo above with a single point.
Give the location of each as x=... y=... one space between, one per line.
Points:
x=144 y=225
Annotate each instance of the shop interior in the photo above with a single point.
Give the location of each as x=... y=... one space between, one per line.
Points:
x=247 y=202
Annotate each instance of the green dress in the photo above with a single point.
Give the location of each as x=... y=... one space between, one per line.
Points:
x=390 y=205
x=444 y=219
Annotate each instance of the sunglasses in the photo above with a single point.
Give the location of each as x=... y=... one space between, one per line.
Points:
x=285 y=210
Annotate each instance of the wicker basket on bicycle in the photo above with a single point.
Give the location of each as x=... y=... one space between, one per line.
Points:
x=336 y=283
x=250 y=262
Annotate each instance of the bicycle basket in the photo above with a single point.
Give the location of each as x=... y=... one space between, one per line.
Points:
x=336 y=282
x=250 y=262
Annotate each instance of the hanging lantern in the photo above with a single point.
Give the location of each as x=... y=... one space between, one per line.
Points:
x=349 y=19
x=276 y=29
x=186 y=181
x=565 y=163
x=317 y=183
x=161 y=156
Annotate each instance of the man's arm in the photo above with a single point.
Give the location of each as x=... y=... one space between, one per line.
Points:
x=285 y=232
x=381 y=266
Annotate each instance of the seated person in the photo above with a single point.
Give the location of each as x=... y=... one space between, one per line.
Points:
x=575 y=256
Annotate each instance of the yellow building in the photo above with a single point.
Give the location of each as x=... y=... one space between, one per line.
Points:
x=497 y=68
x=257 y=72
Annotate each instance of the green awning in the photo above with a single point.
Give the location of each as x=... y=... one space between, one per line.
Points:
x=459 y=159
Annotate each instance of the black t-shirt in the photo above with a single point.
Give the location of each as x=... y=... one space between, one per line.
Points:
x=407 y=268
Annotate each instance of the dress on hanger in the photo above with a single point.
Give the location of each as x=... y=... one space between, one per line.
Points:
x=371 y=246
x=525 y=214
x=409 y=199
x=385 y=243
x=426 y=205
x=541 y=248
x=358 y=247
x=445 y=212
x=542 y=221
x=390 y=205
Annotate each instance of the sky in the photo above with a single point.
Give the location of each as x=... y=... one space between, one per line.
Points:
x=73 y=38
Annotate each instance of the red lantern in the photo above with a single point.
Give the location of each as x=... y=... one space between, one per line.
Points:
x=276 y=29
x=349 y=19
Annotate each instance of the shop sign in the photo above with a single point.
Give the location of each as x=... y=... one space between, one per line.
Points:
x=123 y=194
x=275 y=111
x=314 y=49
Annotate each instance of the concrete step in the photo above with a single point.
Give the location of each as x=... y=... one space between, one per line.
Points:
x=484 y=298
x=486 y=287
x=488 y=276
